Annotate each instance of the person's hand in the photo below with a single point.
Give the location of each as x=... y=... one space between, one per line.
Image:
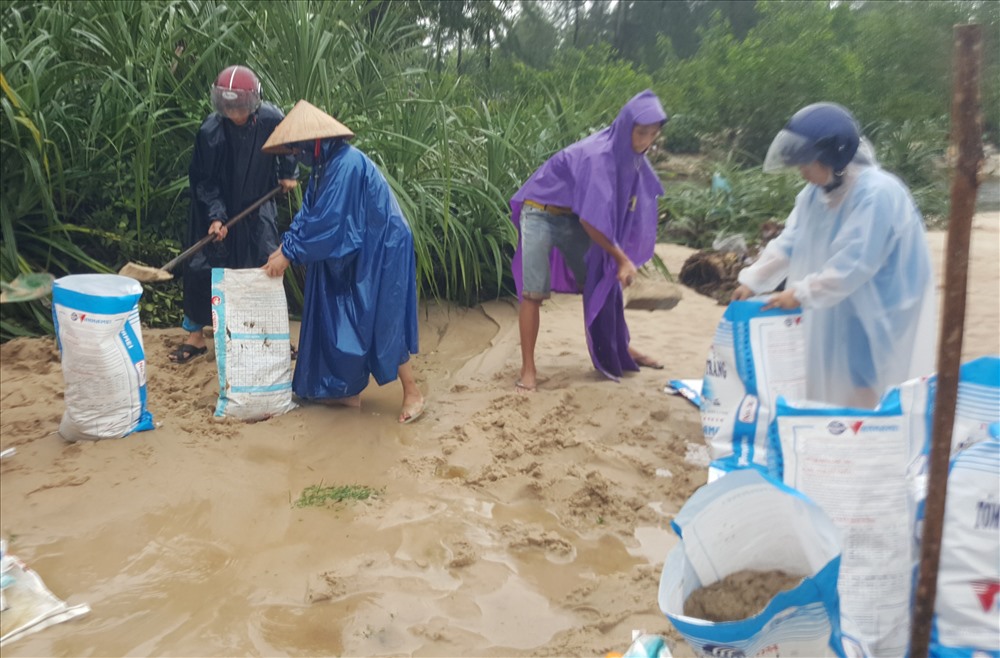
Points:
x=742 y=292
x=784 y=299
x=288 y=184
x=276 y=263
x=626 y=272
x=219 y=230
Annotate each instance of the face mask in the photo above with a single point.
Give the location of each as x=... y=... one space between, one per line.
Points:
x=304 y=153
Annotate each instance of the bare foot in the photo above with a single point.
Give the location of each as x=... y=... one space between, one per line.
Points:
x=413 y=408
x=527 y=383
x=644 y=361
x=354 y=402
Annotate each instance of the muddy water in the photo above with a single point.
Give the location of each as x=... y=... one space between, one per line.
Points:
x=504 y=526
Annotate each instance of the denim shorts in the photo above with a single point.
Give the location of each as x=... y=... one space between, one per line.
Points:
x=540 y=231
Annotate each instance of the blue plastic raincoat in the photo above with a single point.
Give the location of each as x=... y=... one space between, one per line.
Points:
x=360 y=311
x=858 y=262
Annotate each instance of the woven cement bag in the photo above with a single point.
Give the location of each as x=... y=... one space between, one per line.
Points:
x=96 y=318
x=252 y=348
x=855 y=464
x=966 y=620
x=756 y=356
x=747 y=521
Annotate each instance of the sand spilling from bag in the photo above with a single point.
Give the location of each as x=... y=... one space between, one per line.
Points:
x=739 y=595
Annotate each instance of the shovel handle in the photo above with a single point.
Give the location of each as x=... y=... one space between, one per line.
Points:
x=200 y=244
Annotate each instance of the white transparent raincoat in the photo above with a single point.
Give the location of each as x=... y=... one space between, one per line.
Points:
x=858 y=262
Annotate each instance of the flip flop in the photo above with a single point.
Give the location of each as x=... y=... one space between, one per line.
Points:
x=186 y=352
x=415 y=415
x=524 y=387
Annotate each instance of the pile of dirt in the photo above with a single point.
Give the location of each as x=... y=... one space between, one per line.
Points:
x=713 y=273
x=739 y=595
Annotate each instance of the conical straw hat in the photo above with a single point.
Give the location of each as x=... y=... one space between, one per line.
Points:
x=304 y=123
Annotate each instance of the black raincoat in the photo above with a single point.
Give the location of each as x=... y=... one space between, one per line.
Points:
x=228 y=173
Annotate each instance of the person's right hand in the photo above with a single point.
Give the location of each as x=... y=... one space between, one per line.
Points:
x=626 y=272
x=276 y=263
x=219 y=230
x=742 y=292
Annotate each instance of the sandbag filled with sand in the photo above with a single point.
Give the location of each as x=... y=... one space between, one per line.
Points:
x=734 y=532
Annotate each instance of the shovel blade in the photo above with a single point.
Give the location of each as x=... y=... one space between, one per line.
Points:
x=26 y=287
x=145 y=273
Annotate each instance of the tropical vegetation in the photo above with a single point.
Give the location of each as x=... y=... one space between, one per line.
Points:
x=458 y=101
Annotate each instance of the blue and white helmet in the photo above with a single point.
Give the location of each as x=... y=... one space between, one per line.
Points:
x=826 y=132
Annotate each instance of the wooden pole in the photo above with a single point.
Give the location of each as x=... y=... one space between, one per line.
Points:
x=966 y=141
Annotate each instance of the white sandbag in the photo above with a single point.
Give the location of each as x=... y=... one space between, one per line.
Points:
x=854 y=464
x=966 y=619
x=96 y=319
x=977 y=405
x=755 y=357
x=29 y=606
x=252 y=348
x=746 y=521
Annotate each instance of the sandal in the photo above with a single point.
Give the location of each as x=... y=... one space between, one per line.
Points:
x=186 y=352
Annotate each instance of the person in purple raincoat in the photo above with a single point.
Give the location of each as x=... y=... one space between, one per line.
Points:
x=595 y=201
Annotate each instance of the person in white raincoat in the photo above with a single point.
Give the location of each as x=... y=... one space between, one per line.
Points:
x=854 y=256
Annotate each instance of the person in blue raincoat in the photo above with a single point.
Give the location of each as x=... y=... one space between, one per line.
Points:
x=360 y=308
x=855 y=256
x=228 y=172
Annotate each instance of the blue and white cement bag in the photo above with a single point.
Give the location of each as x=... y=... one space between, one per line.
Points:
x=104 y=366
x=746 y=521
x=967 y=608
x=966 y=620
x=252 y=344
x=755 y=357
x=977 y=406
x=855 y=464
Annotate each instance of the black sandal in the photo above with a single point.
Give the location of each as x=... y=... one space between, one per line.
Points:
x=186 y=352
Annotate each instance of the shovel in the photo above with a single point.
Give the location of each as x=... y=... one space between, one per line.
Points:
x=26 y=287
x=145 y=273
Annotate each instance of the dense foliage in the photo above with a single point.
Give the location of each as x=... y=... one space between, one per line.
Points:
x=458 y=101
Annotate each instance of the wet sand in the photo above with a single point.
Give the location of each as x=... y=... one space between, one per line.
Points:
x=506 y=524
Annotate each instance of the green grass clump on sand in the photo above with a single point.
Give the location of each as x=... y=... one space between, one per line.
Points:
x=318 y=495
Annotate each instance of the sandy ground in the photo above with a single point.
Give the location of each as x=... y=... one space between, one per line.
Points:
x=508 y=524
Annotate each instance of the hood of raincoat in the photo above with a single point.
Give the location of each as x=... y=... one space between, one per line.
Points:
x=614 y=189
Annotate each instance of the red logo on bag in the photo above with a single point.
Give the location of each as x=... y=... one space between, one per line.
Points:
x=856 y=426
x=986 y=591
x=216 y=300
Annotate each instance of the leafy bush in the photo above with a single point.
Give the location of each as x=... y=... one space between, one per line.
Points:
x=682 y=134
x=695 y=213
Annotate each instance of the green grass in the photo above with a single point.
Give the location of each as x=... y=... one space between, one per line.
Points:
x=100 y=101
x=318 y=495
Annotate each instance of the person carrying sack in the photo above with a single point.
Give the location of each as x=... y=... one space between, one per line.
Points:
x=359 y=317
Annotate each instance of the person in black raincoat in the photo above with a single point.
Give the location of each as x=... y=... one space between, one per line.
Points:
x=359 y=319
x=228 y=173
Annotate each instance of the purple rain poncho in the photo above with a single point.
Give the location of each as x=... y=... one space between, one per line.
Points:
x=598 y=178
x=359 y=316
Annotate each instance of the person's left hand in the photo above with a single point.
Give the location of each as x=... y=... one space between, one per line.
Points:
x=276 y=263
x=785 y=299
x=288 y=184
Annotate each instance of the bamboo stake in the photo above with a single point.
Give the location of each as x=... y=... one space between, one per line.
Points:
x=966 y=138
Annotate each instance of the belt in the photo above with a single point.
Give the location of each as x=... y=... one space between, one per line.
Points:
x=554 y=210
